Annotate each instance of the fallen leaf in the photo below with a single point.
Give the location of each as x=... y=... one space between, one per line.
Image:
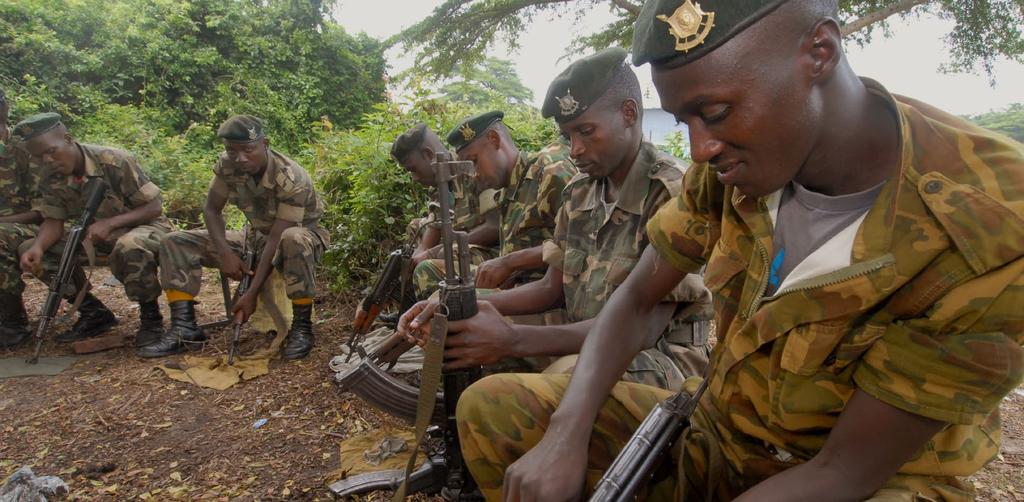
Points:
x=176 y=476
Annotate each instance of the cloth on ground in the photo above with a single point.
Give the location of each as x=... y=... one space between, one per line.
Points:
x=49 y=366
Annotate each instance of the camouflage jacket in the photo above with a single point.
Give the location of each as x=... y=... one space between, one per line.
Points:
x=530 y=202
x=18 y=180
x=596 y=243
x=468 y=204
x=919 y=305
x=62 y=197
x=285 y=191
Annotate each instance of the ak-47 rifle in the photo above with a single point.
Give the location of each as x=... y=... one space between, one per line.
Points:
x=650 y=444
x=391 y=286
x=249 y=258
x=62 y=283
x=444 y=470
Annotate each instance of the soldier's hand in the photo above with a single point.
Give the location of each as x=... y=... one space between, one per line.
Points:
x=233 y=266
x=99 y=231
x=553 y=470
x=32 y=260
x=414 y=324
x=481 y=340
x=491 y=273
x=244 y=307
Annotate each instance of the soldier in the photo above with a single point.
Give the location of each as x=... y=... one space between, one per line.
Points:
x=128 y=227
x=528 y=201
x=18 y=223
x=598 y=237
x=474 y=211
x=866 y=256
x=277 y=197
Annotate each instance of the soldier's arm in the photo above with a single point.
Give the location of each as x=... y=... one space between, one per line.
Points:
x=269 y=249
x=530 y=298
x=486 y=233
x=50 y=232
x=213 y=215
x=26 y=218
x=140 y=215
x=142 y=194
x=428 y=243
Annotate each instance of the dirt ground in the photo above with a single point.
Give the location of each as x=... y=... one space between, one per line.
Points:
x=114 y=427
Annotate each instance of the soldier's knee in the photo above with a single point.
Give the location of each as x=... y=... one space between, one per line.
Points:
x=478 y=401
x=173 y=239
x=294 y=238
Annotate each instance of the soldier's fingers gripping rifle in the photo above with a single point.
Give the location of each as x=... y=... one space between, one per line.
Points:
x=650 y=444
x=249 y=258
x=62 y=283
x=444 y=469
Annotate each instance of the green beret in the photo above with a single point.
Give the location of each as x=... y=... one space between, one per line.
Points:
x=676 y=32
x=36 y=124
x=408 y=141
x=582 y=84
x=243 y=128
x=469 y=129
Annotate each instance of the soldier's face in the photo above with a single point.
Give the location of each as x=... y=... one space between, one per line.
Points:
x=491 y=169
x=600 y=139
x=419 y=165
x=54 y=150
x=250 y=157
x=751 y=114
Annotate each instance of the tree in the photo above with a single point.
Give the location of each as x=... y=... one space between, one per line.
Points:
x=491 y=80
x=1009 y=121
x=460 y=31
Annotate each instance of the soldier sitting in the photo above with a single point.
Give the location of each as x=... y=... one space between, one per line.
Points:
x=277 y=197
x=128 y=227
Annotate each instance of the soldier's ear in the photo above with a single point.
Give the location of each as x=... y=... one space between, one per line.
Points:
x=630 y=113
x=427 y=154
x=494 y=138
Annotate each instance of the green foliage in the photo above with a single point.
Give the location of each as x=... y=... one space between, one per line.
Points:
x=677 y=145
x=493 y=80
x=1009 y=121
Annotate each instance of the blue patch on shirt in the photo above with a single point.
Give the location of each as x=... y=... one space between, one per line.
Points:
x=773 y=273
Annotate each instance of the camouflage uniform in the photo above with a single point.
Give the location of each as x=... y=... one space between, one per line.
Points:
x=596 y=244
x=925 y=316
x=528 y=207
x=131 y=252
x=18 y=182
x=284 y=192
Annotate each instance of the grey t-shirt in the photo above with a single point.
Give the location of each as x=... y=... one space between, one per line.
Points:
x=806 y=220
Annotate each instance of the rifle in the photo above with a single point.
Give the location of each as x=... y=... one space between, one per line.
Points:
x=444 y=470
x=249 y=258
x=391 y=286
x=650 y=444
x=62 y=282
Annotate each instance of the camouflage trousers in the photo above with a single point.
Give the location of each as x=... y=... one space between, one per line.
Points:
x=502 y=416
x=184 y=254
x=131 y=255
x=11 y=237
x=429 y=273
x=665 y=366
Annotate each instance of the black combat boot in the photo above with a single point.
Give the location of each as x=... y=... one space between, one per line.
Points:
x=151 y=323
x=300 y=337
x=13 y=321
x=184 y=334
x=94 y=319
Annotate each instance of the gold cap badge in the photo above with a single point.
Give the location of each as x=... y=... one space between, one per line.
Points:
x=689 y=25
x=567 y=103
x=467 y=132
x=252 y=133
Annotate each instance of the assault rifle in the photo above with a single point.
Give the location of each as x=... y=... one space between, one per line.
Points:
x=392 y=286
x=249 y=258
x=62 y=283
x=650 y=444
x=444 y=470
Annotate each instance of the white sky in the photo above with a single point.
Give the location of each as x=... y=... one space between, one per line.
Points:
x=906 y=63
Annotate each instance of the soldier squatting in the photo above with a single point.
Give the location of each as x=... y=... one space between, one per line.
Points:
x=860 y=253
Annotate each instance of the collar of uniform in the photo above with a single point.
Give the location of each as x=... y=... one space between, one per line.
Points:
x=91 y=169
x=270 y=174
x=519 y=173
x=634 y=188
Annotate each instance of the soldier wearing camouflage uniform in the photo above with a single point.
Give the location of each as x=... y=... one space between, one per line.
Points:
x=18 y=223
x=283 y=210
x=530 y=193
x=128 y=227
x=473 y=211
x=871 y=369
x=598 y=238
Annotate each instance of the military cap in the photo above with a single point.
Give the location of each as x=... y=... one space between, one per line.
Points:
x=472 y=128
x=35 y=125
x=676 y=32
x=242 y=128
x=582 y=83
x=408 y=141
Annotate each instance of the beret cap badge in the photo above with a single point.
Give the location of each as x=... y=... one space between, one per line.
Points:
x=689 y=25
x=467 y=132
x=252 y=133
x=567 y=104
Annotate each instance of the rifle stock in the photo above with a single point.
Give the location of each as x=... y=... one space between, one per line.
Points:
x=391 y=286
x=62 y=281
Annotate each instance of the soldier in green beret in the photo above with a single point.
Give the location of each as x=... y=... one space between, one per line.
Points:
x=474 y=210
x=283 y=210
x=598 y=238
x=128 y=227
x=18 y=223
x=529 y=195
x=866 y=256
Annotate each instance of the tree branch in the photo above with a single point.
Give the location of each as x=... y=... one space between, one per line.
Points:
x=627 y=6
x=880 y=15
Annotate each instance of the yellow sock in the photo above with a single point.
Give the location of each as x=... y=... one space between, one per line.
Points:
x=302 y=301
x=173 y=295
